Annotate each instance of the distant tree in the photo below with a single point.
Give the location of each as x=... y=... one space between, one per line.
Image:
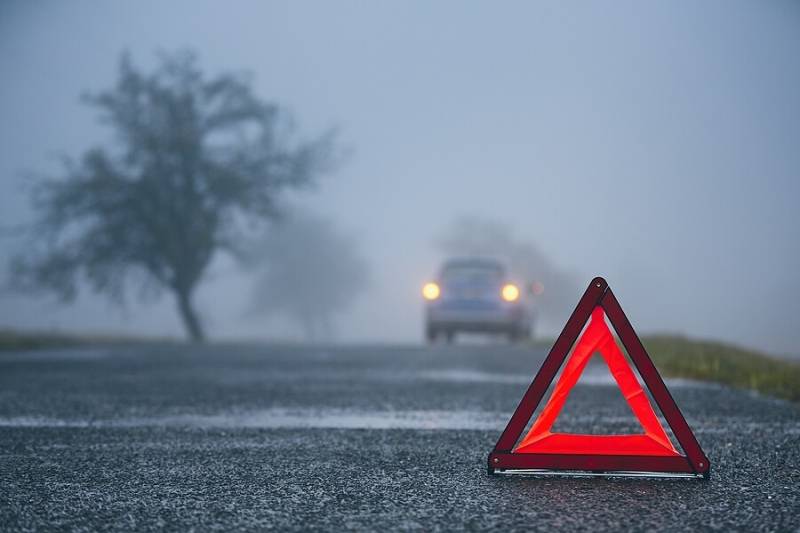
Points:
x=307 y=270
x=197 y=164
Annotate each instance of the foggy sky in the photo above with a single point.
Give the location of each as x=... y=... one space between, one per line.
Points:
x=656 y=144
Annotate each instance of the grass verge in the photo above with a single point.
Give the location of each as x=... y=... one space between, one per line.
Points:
x=35 y=340
x=722 y=363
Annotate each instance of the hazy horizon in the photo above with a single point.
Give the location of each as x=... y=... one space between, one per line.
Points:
x=653 y=144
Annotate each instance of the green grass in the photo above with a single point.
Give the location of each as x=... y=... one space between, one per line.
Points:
x=16 y=340
x=35 y=340
x=726 y=364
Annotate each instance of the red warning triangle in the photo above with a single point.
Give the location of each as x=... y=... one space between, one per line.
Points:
x=598 y=338
x=648 y=453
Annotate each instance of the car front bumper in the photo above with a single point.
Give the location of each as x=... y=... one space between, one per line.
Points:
x=501 y=319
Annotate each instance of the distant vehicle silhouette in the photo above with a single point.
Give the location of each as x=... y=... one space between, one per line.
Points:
x=476 y=295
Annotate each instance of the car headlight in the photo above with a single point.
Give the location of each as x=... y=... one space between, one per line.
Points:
x=431 y=291
x=510 y=292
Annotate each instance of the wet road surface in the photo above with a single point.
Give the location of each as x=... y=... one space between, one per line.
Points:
x=255 y=437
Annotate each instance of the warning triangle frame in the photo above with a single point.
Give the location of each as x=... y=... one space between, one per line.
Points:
x=503 y=460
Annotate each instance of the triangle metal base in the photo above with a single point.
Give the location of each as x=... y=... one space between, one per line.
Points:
x=543 y=472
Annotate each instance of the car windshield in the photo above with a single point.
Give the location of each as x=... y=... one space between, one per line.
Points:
x=472 y=273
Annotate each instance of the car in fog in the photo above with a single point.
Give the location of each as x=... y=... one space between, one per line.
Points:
x=476 y=295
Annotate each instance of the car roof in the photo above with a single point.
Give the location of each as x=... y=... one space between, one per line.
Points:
x=486 y=262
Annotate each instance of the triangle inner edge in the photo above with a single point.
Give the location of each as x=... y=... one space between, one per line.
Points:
x=598 y=338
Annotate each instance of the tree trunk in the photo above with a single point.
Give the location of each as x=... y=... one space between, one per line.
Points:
x=191 y=323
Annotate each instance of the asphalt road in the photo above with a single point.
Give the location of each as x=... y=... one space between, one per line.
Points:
x=295 y=438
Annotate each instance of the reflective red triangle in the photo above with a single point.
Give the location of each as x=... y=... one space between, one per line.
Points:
x=597 y=338
x=650 y=451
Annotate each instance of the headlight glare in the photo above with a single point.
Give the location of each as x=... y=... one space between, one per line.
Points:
x=510 y=292
x=431 y=291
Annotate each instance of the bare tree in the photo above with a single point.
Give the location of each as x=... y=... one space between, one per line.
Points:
x=197 y=163
x=307 y=270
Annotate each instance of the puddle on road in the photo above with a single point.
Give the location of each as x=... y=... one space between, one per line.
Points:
x=594 y=375
x=472 y=376
x=347 y=419
x=43 y=422
x=290 y=418
x=310 y=418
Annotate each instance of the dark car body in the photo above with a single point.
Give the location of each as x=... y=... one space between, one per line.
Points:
x=471 y=299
